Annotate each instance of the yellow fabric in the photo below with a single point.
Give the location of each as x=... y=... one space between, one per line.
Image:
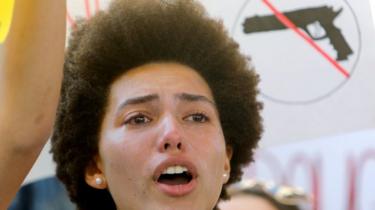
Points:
x=6 y=13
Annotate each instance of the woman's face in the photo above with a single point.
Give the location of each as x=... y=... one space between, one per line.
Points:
x=161 y=143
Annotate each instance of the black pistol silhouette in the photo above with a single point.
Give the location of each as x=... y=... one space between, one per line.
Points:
x=319 y=17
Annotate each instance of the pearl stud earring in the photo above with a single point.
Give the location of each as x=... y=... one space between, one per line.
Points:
x=98 y=181
x=225 y=177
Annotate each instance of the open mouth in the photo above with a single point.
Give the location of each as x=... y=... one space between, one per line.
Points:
x=176 y=180
x=175 y=175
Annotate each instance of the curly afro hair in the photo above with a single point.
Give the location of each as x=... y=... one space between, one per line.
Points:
x=132 y=33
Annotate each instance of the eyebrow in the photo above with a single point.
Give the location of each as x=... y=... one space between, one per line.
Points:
x=193 y=98
x=138 y=100
x=153 y=97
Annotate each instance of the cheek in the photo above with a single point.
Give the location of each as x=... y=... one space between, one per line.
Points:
x=211 y=147
x=214 y=154
x=211 y=141
x=123 y=155
x=206 y=137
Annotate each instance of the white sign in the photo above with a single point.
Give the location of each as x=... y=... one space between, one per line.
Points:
x=372 y=4
x=337 y=171
x=310 y=89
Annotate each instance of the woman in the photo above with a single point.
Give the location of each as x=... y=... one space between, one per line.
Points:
x=158 y=109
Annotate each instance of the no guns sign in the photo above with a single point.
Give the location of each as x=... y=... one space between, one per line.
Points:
x=304 y=50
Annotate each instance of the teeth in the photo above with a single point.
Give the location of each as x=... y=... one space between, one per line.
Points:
x=175 y=170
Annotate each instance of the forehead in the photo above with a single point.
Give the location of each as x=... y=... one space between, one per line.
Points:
x=159 y=78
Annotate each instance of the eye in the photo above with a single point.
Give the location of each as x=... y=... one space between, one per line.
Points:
x=197 y=117
x=138 y=119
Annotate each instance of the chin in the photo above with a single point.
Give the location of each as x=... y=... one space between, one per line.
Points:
x=183 y=205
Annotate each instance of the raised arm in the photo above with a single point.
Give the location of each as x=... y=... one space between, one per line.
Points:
x=30 y=79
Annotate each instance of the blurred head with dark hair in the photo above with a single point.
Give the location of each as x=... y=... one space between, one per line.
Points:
x=251 y=194
x=158 y=109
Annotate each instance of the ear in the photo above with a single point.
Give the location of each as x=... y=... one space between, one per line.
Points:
x=227 y=168
x=94 y=175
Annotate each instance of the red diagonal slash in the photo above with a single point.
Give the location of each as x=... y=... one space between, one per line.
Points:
x=88 y=8
x=288 y=23
x=72 y=23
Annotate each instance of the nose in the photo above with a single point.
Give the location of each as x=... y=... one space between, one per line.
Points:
x=171 y=139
